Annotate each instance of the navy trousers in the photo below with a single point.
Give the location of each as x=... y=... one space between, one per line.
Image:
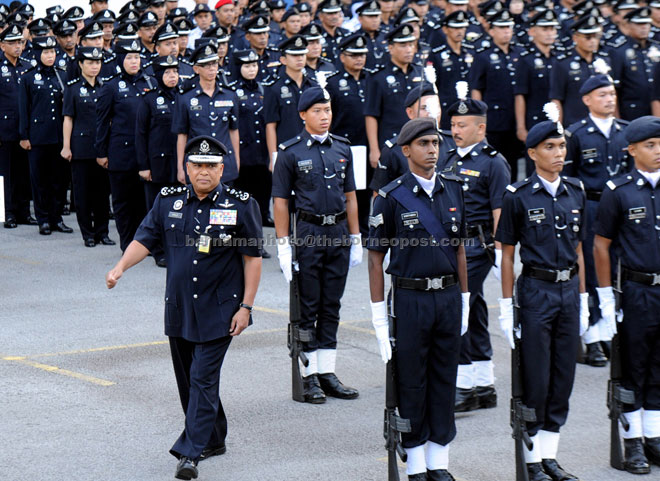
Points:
x=48 y=182
x=15 y=170
x=128 y=204
x=91 y=190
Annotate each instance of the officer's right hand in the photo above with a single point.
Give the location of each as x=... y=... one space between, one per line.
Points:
x=102 y=161
x=506 y=319
x=521 y=134
x=374 y=157
x=145 y=175
x=66 y=154
x=382 y=328
x=607 y=306
x=181 y=176
x=285 y=256
x=25 y=145
x=112 y=277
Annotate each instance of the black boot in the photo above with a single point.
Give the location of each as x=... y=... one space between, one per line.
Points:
x=556 y=472
x=535 y=472
x=440 y=475
x=332 y=386
x=186 y=469
x=635 y=461
x=652 y=450
x=595 y=356
x=417 y=477
x=486 y=396
x=466 y=400
x=312 y=390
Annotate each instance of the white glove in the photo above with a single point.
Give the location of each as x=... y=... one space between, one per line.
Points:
x=382 y=327
x=465 y=297
x=607 y=306
x=356 y=250
x=506 y=319
x=584 y=312
x=498 y=264
x=284 y=255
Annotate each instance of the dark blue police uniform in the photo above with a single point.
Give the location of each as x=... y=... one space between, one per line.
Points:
x=451 y=67
x=281 y=105
x=348 y=100
x=532 y=80
x=428 y=327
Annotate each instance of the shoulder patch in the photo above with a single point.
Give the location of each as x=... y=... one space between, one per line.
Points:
x=573 y=181
x=290 y=142
x=71 y=82
x=619 y=181
x=449 y=176
x=511 y=188
x=341 y=139
x=490 y=151
x=517 y=185
x=169 y=191
x=389 y=143
x=611 y=185
x=389 y=187
x=238 y=194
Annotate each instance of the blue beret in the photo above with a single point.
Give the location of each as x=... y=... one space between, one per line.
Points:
x=543 y=130
x=415 y=128
x=414 y=95
x=595 y=82
x=643 y=128
x=468 y=107
x=311 y=96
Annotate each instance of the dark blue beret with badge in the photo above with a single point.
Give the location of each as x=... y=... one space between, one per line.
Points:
x=416 y=128
x=595 y=82
x=465 y=105
x=414 y=95
x=548 y=129
x=642 y=128
x=204 y=149
x=311 y=96
x=201 y=8
x=290 y=13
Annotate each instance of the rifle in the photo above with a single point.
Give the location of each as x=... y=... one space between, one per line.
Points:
x=520 y=414
x=489 y=247
x=617 y=395
x=394 y=425
x=296 y=335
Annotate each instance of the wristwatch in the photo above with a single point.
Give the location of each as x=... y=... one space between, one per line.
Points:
x=249 y=308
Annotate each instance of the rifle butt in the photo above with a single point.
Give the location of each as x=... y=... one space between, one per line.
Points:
x=616 y=451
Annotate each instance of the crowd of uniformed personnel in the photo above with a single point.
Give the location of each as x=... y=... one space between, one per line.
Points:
x=106 y=104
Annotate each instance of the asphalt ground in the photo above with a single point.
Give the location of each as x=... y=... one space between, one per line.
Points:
x=88 y=391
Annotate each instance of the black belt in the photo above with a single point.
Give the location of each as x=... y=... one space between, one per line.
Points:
x=325 y=219
x=550 y=275
x=473 y=230
x=426 y=283
x=594 y=195
x=647 y=278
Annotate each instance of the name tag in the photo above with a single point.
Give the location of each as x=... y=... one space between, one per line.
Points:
x=410 y=218
x=589 y=154
x=223 y=216
x=305 y=165
x=195 y=107
x=223 y=103
x=536 y=214
x=204 y=244
x=473 y=173
x=175 y=215
x=637 y=213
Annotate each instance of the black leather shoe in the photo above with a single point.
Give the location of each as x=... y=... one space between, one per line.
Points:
x=29 y=220
x=265 y=254
x=635 y=461
x=606 y=346
x=214 y=451
x=332 y=386
x=312 y=390
x=439 y=475
x=466 y=400
x=186 y=469
x=652 y=450
x=556 y=472
x=89 y=243
x=66 y=210
x=269 y=222
x=595 y=356
x=161 y=262
x=44 y=229
x=11 y=223
x=417 y=477
x=535 y=472
x=62 y=227
x=106 y=241
x=486 y=396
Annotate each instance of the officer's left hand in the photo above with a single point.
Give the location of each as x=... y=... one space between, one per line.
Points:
x=239 y=322
x=497 y=272
x=584 y=312
x=356 y=250
x=145 y=175
x=465 y=296
x=112 y=277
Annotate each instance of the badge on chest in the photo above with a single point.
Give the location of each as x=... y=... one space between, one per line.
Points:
x=223 y=217
x=410 y=218
x=305 y=165
x=536 y=215
x=636 y=213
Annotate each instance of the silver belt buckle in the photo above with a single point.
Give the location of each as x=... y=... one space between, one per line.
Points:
x=563 y=276
x=435 y=283
x=329 y=219
x=656 y=280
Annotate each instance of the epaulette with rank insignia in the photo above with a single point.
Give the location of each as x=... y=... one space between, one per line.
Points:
x=370 y=70
x=290 y=142
x=167 y=191
x=329 y=75
x=110 y=58
x=573 y=181
x=488 y=150
x=449 y=176
x=71 y=82
x=270 y=82
x=391 y=143
x=107 y=79
x=340 y=139
x=619 y=181
x=573 y=128
x=386 y=189
x=239 y=194
x=517 y=185
x=617 y=42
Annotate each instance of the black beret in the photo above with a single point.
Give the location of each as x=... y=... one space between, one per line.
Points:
x=303 y=7
x=91 y=30
x=44 y=43
x=356 y=43
x=642 y=128
x=414 y=95
x=595 y=82
x=205 y=150
x=166 y=31
x=11 y=33
x=311 y=96
x=296 y=45
x=89 y=53
x=548 y=129
x=290 y=13
x=242 y=57
x=201 y=8
x=468 y=107
x=416 y=128
x=257 y=24
x=165 y=62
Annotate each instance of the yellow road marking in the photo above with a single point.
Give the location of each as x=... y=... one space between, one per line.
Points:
x=100 y=349
x=22 y=260
x=60 y=371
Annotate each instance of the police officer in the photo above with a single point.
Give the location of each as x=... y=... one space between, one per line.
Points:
x=318 y=167
x=485 y=174
x=90 y=181
x=429 y=296
x=370 y=17
x=330 y=18
x=166 y=43
x=452 y=60
x=208 y=108
x=65 y=32
x=203 y=18
x=14 y=166
x=633 y=64
x=211 y=287
x=116 y=111
x=315 y=62
x=256 y=33
x=627 y=215
x=545 y=214
x=147 y=26
x=387 y=90
x=107 y=19
x=92 y=36
x=290 y=23
x=255 y=177
x=596 y=152
x=281 y=97
x=40 y=131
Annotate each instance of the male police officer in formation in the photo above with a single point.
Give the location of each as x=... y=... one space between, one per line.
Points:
x=595 y=153
x=211 y=286
x=485 y=174
x=318 y=167
x=629 y=214
x=419 y=218
x=545 y=214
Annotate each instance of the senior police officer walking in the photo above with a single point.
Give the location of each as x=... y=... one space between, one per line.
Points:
x=485 y=174
x=629 y=214
x=211 y=286
x=595 y=153
x=429 y=295
x=545 y=214
x=318 y=167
